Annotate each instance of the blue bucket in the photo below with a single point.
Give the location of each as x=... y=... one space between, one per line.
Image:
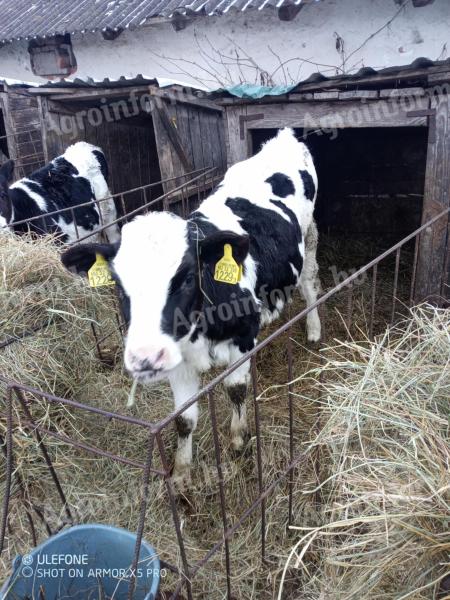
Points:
x=85 y=561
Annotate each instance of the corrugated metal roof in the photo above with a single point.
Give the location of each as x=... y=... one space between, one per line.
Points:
x=24 y=19
x=415 y=73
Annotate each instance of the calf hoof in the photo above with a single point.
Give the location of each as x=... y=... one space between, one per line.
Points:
x=181 y=479
x=240 y=445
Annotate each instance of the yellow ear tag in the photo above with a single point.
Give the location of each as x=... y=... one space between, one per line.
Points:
x=99 y=274
x=227 y=270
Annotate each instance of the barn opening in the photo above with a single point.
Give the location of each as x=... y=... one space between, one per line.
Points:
x=125 y=135
x=371 y=185
x=370 y=196
x=371 y=181
x=148 y=135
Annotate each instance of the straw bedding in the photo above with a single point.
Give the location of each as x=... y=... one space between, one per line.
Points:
x=371 y=494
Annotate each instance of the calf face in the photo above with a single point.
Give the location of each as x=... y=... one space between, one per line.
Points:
x=160 y=264
x=6 y=176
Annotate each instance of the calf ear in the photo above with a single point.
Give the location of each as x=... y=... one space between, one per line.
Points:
x=83 y=256
x=7 y=170
x=212 y=247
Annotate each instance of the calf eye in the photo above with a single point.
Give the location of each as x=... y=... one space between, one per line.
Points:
x=190 y=280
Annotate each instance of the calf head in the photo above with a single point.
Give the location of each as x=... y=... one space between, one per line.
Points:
x=6 y=177
x=161 y=265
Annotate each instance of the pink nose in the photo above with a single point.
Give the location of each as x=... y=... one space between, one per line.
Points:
x=146 y=358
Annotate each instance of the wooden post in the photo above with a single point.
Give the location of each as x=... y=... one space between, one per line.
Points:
x=9 y=126
x=237 y=148
x=434 y=247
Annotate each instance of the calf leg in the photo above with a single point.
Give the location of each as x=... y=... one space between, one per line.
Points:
x=184 y=383
x=236 y=385
x=109 y=214
x=310 y=284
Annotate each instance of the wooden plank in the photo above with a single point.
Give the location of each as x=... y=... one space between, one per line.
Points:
x=220 y=126
x=326 y=95
x=236 y=148
x=76 y=95
x=164 y=150
x=180 y=97
x=205 y=136
x=433 y=248
x=196 y=138
x=182 y=126
x=326 y=115
x=358 y=94
x=215 y=139
x=172 y=133
x=402 y=92
x=439 y=78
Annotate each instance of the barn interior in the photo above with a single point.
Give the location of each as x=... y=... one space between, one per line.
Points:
x=371 y=180
x=125 y=135
x=370 y=193
x=147 y=138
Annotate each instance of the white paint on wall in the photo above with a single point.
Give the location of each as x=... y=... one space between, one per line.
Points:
x=250 y=46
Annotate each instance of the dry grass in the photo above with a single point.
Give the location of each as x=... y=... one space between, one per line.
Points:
x=63 y=360
x=386 y=490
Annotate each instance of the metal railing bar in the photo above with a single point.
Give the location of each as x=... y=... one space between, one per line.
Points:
x=414 y=272
x=176 y=519
x=372 y=304
x=87 y=447
x=133 y=212
x=45 y=454
x=9 y=468
x=251 y=509
x=291 y=424
x=78 y=405
x=142 y=513
x=394 y=292
x=259 y=467
x=100 y=200
x=223 y=510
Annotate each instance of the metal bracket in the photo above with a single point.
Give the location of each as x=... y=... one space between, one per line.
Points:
x=431 y=114
x=244 y=118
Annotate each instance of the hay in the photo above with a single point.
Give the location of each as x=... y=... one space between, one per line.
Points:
x=386 y=493
x=49 y=312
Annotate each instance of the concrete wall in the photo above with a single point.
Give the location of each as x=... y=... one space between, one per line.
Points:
x=205 y=52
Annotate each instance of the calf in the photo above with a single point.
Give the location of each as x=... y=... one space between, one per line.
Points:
x=78 y=176
x=182 y=320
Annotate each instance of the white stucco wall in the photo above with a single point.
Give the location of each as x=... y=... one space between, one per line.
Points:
x=308 y=44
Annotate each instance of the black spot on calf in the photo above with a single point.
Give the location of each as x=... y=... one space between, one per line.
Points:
x=308 y=184
x=282 y=185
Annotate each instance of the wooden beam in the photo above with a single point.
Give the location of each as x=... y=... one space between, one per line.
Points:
x=433 y=243
x=335 y=115
x=237 y=148
x=184 y=98
x=173 y=136
x=88 y=93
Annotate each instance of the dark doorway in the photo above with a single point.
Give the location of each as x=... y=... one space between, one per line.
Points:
x=371 y=181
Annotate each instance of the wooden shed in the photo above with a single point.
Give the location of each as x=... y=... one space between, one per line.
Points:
x=381 y=144
x=149 y=134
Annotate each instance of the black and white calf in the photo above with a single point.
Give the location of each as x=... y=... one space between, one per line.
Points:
x=181 y=320
x=78 y=176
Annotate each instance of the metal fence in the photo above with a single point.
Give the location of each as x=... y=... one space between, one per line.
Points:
x=186 y=191
x=21 y=397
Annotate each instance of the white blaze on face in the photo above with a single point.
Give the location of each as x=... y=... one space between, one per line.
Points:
x=150 y=253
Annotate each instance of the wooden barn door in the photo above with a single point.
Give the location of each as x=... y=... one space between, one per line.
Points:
x=432 y=278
